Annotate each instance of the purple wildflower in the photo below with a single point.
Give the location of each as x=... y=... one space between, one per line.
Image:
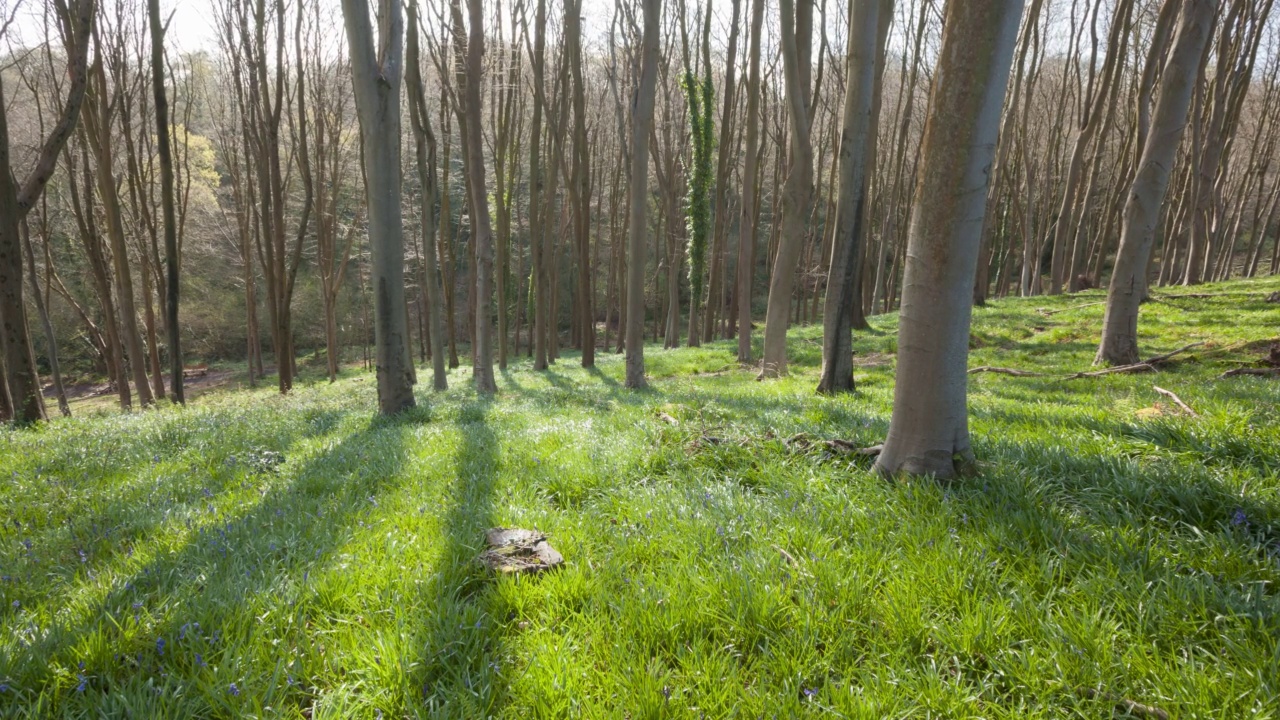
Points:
x=1238 y=518
x=235 y=691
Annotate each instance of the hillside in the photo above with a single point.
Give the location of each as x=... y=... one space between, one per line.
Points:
x=259 y=555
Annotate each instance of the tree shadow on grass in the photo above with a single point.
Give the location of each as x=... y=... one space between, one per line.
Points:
x=459 y=670
x=171 y=639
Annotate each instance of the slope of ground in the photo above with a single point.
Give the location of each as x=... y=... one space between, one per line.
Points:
x=255 y=555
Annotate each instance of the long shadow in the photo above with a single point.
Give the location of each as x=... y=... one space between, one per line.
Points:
x=461 y=641
x=194 y=466
x=165 y=623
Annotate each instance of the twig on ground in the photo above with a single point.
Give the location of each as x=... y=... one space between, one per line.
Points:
x=1129 y=706
x=1005 y=371
x=1169 y=394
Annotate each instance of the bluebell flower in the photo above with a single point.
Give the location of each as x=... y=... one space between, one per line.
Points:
x=200 y=660
x=83 y=681
x=16 y=604
x=1238 y=518
x=160 y=645
x=233 y=689
x=810 y=692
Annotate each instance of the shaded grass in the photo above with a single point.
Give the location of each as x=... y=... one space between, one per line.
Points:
x=171 y=564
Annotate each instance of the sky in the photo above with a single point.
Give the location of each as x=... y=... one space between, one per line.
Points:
x=192 y=27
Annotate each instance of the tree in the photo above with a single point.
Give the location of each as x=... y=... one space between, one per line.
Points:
x=930 y=430
x=579 y=183
x=855 y=156
x=481 y=233
x=376 y=76
x=797 y=194
x=21 y=386
x=166 y=201
x=747 y=239
x=642 y=103
x=425 y=146
x=1146 y=194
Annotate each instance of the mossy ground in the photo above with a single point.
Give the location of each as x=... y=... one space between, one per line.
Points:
x=170 y=563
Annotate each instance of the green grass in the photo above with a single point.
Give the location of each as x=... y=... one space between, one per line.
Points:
x=170 y=564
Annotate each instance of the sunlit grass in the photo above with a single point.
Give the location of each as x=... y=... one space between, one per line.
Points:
x=254 y=555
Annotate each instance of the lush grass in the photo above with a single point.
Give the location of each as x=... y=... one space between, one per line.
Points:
x=171 y=564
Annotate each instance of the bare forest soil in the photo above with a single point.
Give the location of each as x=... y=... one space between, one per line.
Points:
x=255 y=555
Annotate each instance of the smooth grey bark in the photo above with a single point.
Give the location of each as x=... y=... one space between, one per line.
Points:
x=165 y=153
x=376 y=75
x=580 y=184
x=1146 y=195
x=930 y=427
x=747 y=236
x=425 y=148
x=482 y=233
x=797 y=192
x=641 y=125
x=855 y=145
x=537 y=223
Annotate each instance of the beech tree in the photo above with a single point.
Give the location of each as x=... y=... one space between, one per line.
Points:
x=929 y=430
x=166 y=201
x=642 y=102
x=425 y=152
x=747 y=238
x=376 y=74
x=855 y=145
x=797 y=195
x=1128 y=285
x=23 y=402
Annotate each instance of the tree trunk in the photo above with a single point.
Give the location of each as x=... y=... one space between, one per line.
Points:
x=641 y=125
x=425 y=146
x=930 y=429
x=747 y=235
x=1142 y=211
x=797 y=194
x=166 y=203
x=855 y=156
x=376 y=79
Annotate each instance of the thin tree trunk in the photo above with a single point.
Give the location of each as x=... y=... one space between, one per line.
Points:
x=1142 y=211
x=641 y=125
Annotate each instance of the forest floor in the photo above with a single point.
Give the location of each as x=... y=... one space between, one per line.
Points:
x=259 y=555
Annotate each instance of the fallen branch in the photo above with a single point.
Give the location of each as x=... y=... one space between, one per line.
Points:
x=1256 y=372
x=1136 y=367
x=803 y=442
x=1046 y=312
x=1162 y=358
x=1144 y=366
x=1169 y=394
x=1005 y=371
